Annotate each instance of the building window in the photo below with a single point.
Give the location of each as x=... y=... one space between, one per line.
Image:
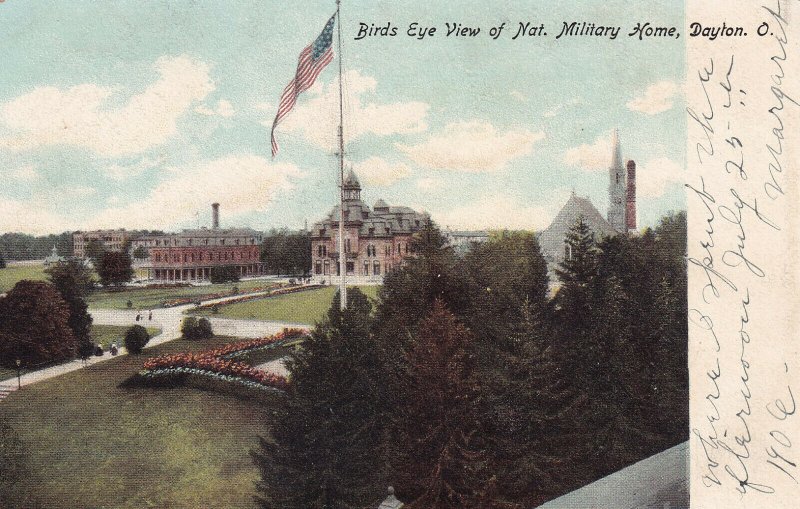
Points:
x=351 y=267
x=346 y=245
x=327 y=267
x=376 y=268
x=318 y=268
x=319 y=251
x=366 y=268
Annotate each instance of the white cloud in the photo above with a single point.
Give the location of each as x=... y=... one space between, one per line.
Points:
x=29 y=217
x=558 y=108
x=126 y=171
x=224 y=109
x=596 y=156
x=502 y=211
x=316 y=114
x=81 y=115
x=240 y=183
x=654 y=176
x=473 y=147
x=657 y=98
x=519 y=96
x=377 y=171
x=25 y=173
x=429 y=184
x=204 y=110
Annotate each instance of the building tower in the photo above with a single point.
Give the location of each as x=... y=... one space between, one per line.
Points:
x=616 y=187
x=352 y=187
x=630 y=198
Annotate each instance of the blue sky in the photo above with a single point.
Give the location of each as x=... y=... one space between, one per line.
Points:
x=140 y=114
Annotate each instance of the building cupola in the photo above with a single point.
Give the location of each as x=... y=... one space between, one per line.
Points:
x=352 y=187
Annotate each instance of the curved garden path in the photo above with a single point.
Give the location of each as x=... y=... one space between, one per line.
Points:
x=169 y=321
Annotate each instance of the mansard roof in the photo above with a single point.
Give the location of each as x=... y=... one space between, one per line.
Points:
x=397 y=219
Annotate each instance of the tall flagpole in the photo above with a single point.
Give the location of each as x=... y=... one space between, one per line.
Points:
x=342 y=258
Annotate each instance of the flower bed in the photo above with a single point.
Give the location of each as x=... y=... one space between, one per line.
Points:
x=208 y=296
x=217 y=363
x=245 y=298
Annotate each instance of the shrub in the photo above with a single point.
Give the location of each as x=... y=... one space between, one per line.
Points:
x=224 y=274
x=189 y=328
x=135 y=339
x=204 y=330
x=192 y=328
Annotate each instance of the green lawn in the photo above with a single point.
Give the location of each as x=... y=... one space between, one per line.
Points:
x=145 y=298
x=305 y=307
x=107 y=334
x=103 y=334
x=12 y=274
x=93 y=445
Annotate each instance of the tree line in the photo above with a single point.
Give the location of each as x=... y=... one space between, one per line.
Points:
x=470 y=383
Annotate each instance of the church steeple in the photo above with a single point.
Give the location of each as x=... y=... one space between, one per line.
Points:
x=616 y=186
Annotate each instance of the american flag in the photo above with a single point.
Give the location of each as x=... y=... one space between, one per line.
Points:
x=312 y=61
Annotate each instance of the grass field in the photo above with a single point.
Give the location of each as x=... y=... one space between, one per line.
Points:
x=106 y=334
x=146 y=298
x=103 y=334
x=305 y=307
x=12 y=274
x=91 y=444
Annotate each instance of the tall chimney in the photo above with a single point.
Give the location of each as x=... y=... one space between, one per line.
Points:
x=215 y=215
x=630 y=198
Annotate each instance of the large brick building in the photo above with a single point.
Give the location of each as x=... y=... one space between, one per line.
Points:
x=376 y=240
x=191 y=254
x=110 y=240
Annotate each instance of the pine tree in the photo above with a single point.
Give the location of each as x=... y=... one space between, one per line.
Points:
x=436 y=446
x=533 y=410
x=325 y=448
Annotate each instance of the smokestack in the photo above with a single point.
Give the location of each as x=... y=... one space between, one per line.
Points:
x=630 y=198
x=215 y=215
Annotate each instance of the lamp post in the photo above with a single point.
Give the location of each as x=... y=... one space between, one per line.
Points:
x=19 y=381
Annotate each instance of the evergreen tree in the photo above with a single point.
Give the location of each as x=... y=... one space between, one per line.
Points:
x=436 y=444
x=532 y=411
x=73 y=280
x=325 y=448
x=2 y=261
x=576 y=304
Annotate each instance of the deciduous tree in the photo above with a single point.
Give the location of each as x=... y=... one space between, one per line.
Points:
x=34 y=326
x=115 y=268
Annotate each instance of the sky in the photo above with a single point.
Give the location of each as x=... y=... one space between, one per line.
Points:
x=141 y=114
